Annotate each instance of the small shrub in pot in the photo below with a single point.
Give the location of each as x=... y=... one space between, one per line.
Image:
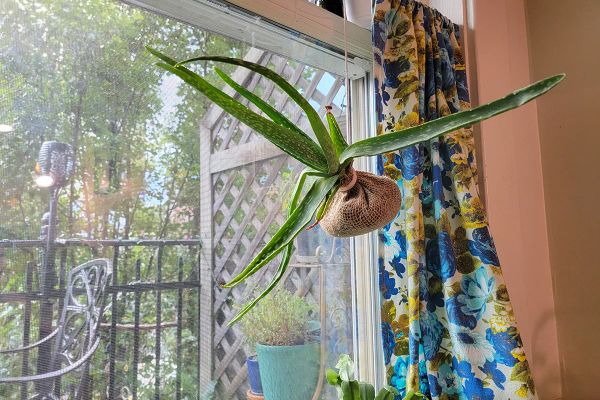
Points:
x=281 y=330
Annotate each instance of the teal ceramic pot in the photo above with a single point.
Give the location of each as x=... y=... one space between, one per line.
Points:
x=289 y=372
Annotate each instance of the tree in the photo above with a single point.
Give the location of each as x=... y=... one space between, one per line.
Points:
x=77 y=71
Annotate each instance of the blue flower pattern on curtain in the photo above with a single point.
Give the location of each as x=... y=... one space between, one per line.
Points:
x=448 y=327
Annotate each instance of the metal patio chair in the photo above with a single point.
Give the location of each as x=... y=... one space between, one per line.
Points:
x=77 y=335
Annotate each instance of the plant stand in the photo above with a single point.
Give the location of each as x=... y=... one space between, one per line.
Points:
x=252 y=396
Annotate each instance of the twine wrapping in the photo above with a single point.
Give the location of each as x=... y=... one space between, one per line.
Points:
x=363 y=203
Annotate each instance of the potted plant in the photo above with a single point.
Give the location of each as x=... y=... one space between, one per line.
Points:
x=281 y=331
x=349 y=388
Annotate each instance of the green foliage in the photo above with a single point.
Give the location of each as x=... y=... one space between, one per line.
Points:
x=317 y=125
x=339 y=141
x=262 y=105
x=397 y=140
x=298 y=146
x=77 y=71
x=332 y=155
x=296 y=222
x=350 y=389
x=280 y=319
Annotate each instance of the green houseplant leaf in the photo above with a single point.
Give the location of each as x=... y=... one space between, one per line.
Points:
x=397 y=140
x=339 y=142
x=296 y=222
x=387 y=393
x=287 y=252
x=332 y=377
x=262 y=105
x=298 y=146
x=314 y=119
x=349 y=388
x=367 y=391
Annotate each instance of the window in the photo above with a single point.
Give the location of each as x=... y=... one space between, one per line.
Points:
x=175 y=193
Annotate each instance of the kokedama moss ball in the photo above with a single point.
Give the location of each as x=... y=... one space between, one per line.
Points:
x=363 y=203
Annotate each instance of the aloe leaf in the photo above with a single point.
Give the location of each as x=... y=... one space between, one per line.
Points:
x=367 y=391
x=265 y=107
x=387 y=393
x=285 y=261
x=397 y=140
x=295 y=223
x=339 y=142
x=326 y=204
x=300 y=147
x=313 y=117
x=288 y=251
x=160 y=55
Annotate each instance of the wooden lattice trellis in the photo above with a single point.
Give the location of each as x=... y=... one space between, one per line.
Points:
x=244 y=181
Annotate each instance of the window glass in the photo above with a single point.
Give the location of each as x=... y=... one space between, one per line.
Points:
x=175 y=194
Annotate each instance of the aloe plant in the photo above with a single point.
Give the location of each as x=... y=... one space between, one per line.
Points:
x=327 y=159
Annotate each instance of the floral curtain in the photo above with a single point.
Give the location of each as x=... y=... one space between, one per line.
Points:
x=448 y=326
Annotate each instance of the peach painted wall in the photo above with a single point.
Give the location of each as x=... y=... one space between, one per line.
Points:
x=514 y=184
x=565 y=37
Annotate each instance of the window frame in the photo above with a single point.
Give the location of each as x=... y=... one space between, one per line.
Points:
x=319 y=33
x=318 y=29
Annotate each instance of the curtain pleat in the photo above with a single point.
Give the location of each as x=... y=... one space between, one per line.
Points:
x=448 y=326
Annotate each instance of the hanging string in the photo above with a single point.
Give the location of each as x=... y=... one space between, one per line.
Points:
x=347 y=77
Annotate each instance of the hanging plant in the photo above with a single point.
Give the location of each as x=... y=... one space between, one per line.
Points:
x=344 y=201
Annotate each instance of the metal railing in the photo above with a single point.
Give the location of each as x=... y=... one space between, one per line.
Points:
x=164 y=269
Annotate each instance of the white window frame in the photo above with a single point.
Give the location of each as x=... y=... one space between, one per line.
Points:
x=368 y=348
x=314 y=29
x=318 y=35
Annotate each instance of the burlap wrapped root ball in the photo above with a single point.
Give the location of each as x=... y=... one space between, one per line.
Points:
x=363 y=203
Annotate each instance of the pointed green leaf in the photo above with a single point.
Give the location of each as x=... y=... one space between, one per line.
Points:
x=367 y=391
x=313 y=117
x=300 y=147
x=387 y=393
x=288 y=251
x=325 y=206
x=296 y=222
x=285 y=261
x=262 y=105
x=397 y=140
x=339 y=142
x=160 y=55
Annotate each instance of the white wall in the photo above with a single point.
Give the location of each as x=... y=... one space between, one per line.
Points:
x=452 y=9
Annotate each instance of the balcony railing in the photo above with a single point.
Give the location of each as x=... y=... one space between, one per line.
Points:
x=152 y=314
